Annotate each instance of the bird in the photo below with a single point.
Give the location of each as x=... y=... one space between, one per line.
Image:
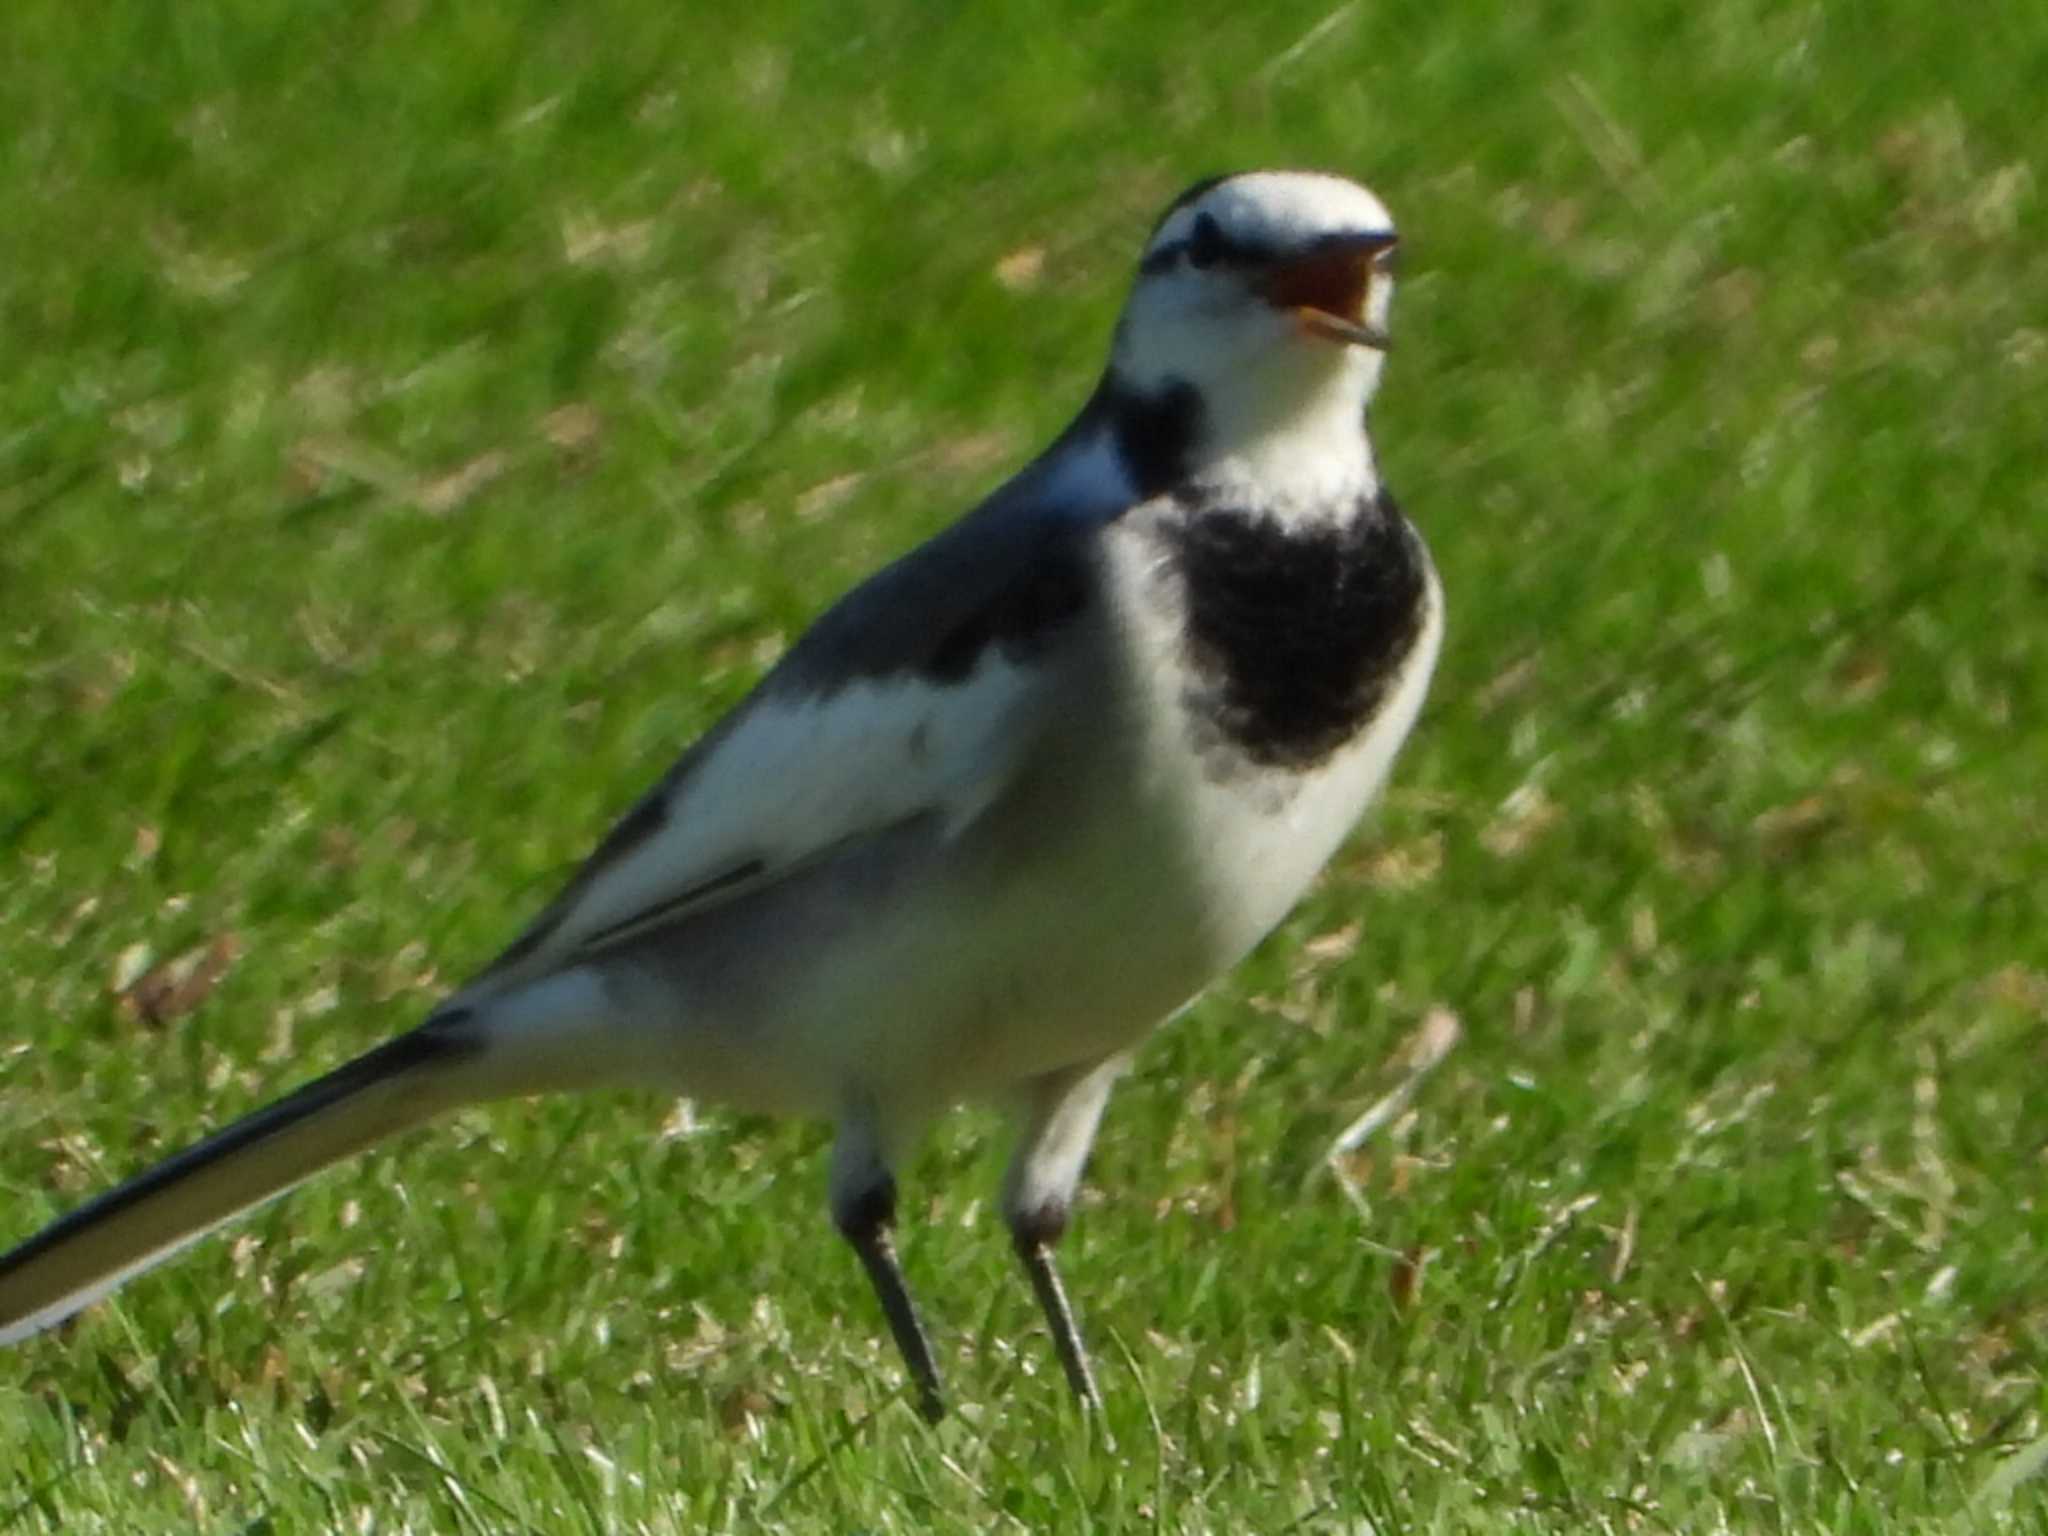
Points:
x=1015 y=800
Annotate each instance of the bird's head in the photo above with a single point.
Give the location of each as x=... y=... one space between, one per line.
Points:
x=1267 y=294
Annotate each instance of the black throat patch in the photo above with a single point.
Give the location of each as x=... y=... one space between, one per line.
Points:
x=1154 y=434
x=1295 y=636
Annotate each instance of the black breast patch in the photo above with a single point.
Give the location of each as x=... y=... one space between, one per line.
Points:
x=1295 y=635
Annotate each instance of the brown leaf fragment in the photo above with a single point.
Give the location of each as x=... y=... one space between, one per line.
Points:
x=315 y=464
x=72 y=1163
x=1523 y=817
x=67 y=929
x=1861 y=675
x=574 y=431
x=2020 y=988
x=587 y=241
x=174 y=988
x=742 y=1408
x=826 y=495
x=1337 y=944
x=1021 y=268
x=445 y=493
x=972 y=453
x=1432 y=1041
x=1404 y=1280
x=1734 y=296
x=1405 y=866
x=1788 y=829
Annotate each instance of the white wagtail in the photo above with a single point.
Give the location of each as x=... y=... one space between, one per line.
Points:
x=1007 y=805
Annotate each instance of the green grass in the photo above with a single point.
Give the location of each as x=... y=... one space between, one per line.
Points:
x=419 y=421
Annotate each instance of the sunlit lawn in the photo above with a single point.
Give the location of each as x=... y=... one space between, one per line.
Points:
x=418 y=422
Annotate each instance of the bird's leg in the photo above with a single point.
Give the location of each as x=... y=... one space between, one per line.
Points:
x=1034 y=1239
x=864 y=1208
x=1060 y=1113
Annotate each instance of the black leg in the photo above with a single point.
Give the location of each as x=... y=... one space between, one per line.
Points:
x=865 y=1223
x=1058 y=1114
x=1034 y=1236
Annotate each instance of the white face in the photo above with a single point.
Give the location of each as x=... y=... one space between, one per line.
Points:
x=1260 y=287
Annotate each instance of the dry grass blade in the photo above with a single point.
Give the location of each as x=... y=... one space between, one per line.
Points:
x=1432 y=1042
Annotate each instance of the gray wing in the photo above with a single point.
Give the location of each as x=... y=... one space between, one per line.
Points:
x=915 y=695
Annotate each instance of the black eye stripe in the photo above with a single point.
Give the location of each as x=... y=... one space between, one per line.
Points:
x=1206 y=245
x=1219 y=249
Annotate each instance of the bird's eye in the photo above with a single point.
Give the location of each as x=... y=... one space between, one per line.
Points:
x=1205 y=243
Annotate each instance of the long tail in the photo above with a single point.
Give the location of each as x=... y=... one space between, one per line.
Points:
x=79 y=1258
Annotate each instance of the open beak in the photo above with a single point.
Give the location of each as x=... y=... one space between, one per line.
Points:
x=1327 y=289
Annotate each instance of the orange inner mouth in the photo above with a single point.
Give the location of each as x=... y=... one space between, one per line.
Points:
x=1335 y=282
